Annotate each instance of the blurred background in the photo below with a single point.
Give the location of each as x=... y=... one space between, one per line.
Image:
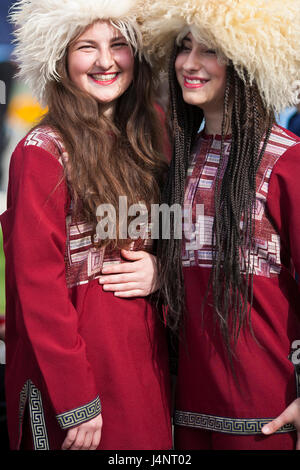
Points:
x=19 y=111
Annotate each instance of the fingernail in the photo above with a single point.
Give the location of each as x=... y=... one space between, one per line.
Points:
x=266 y=429
x=101 y=280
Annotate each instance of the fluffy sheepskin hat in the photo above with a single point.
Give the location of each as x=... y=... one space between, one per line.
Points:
x=259 y=36
x=44 y=28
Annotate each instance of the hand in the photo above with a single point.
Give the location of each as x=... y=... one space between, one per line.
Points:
x=290 y=415
x=86 y=436
x=137 y=278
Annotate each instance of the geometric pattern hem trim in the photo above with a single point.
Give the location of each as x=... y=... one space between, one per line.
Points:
x=79 y=415
x=31 y=395
x=225 y=425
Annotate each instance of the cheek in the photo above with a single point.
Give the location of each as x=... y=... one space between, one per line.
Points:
x=179 y=63
x=78 y=64
x=219 y=71
x=222 y=81
x=125 y=61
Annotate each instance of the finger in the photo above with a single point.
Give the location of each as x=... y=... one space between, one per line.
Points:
x=130 y=293
x=133 y=255
x=285 y=418
x=70 y=438
x=87 y=441
x=80 y=438
x=117 y=278
x=118 y=268
x=120 y=287
x=96 y=440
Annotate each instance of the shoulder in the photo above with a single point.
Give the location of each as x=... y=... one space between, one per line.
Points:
x=285 y=144
x=44 y=138
x=281 y=143
x=285 y=172
x=40 y=154
x=281 y=140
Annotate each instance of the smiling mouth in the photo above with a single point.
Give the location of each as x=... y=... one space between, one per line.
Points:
x=104 y=78
x=190 y=82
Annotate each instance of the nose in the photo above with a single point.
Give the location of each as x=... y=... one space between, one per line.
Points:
x=192 y=62
x=104 y=59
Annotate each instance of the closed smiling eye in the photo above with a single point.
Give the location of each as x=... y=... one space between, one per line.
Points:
x=120 y=44
x=88 y=46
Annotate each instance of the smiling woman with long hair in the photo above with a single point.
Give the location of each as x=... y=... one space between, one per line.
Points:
x=86 y=368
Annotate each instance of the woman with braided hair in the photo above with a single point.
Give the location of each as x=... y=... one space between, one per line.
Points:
x=229 y=284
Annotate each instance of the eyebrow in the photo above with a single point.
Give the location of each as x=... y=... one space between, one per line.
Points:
x=119 y=38
x=91 y=41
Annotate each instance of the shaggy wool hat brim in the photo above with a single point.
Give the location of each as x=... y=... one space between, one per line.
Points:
x=259 y=36
x=44 y=28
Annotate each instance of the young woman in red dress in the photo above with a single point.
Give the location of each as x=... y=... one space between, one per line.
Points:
x=86 y=368
x=229 y=284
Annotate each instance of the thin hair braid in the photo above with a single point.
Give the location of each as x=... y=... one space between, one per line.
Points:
x=186 y=123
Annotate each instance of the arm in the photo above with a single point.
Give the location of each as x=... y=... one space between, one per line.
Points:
x=34 y=244
x=283 y=205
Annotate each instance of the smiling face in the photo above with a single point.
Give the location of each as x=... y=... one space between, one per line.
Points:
x=201 y=76
x=101 y=62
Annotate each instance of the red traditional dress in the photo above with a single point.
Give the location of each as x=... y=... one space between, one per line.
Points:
x=209 y=397
x=73 y=349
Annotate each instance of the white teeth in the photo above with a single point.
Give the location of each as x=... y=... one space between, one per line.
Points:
x=195 y=82
x=104 y=78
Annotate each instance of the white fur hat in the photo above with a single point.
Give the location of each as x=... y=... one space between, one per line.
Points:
x=259 y=36
x=44 y=28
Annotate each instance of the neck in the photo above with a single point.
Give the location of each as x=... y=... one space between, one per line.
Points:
x=108 y=109
x=213 y=122
x=214 y=119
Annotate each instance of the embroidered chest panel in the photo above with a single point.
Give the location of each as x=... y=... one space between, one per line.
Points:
x=199 y=202
x=83 y=261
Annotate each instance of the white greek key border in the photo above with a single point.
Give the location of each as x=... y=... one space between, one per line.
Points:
x=31 y=395
x=80 y=414
x=223 y=424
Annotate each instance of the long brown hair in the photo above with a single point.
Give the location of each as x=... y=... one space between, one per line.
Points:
x=231 y=275
x=109 y=157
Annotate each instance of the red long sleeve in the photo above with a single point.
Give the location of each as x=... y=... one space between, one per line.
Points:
x=284 y=204
x=39 y=309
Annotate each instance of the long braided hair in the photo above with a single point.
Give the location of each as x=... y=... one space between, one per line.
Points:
x=232 y=235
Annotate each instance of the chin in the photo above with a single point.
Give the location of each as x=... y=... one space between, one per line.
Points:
x=104 y=98
x=193 y=100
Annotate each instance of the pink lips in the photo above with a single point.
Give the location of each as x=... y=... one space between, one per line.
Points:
x=104 y=82
x=194 y=85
